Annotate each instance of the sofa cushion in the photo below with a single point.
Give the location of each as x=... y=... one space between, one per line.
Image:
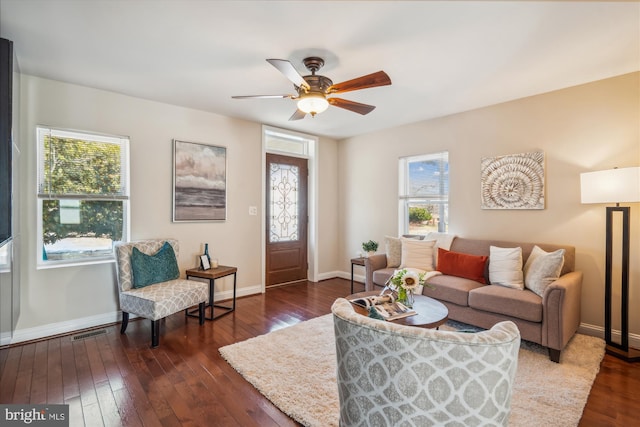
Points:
x=159 y=267
x=393 y=249
x=381 y=276
x=443 y=240
x=163 y=299
x=414 y=236
x=451 y=289
x=542 y=269
x=481 y=247
x=505 y=267
x=417 y=254
x=461 y=265
x=522 y=304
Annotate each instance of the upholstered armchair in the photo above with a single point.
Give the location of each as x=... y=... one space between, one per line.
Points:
x=149 y=283
x=391 y=375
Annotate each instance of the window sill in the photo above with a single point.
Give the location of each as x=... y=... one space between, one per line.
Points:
x=46 y=265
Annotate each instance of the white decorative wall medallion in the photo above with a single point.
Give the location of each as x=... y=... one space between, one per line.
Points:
x=514 y=181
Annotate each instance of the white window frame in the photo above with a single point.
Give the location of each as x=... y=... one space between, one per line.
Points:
x=123 y=141
x=406 y=197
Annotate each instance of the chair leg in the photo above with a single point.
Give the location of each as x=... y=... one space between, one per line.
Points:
x=125 y=322
x=201 y=313
x=155 y=333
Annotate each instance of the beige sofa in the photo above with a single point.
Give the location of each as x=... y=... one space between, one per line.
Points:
x=549 y=320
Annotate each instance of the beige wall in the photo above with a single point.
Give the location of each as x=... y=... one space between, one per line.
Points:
x=585 y=128
x=590 y=127
x=327 y=208
x=73 y=297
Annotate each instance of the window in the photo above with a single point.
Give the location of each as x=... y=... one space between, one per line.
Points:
x=287 y=143
x=83 y=196
x=424 y=193
x=5 y=257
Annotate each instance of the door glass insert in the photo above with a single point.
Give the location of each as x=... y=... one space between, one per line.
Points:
x=283 y=217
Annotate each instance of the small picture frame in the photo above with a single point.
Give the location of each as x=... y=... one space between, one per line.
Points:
x=204 y=262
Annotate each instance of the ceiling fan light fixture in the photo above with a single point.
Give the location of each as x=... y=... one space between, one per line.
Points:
x=313 y=89
x=313 y=103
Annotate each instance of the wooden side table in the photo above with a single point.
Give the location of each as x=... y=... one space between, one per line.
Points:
x=213 y=274
x=355 y=261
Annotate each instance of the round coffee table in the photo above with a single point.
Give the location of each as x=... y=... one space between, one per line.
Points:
x=431 y=313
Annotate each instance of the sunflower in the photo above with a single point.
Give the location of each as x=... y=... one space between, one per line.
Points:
x=410 y=280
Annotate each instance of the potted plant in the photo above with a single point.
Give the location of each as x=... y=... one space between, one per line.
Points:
x=370 y=247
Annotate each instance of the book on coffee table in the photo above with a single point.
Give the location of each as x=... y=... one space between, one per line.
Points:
x=385 y=306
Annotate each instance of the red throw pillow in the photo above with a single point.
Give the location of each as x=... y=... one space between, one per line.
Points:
x=462 y=265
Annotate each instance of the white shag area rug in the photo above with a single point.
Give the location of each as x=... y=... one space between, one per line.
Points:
x=295 y=368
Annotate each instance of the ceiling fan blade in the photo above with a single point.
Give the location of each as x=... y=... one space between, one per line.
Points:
x=356 y=107
x=297 y=115
x=261 y=96
x=370 y=80
x=289 y=71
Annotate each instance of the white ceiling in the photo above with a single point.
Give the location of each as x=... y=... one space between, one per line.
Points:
x=442 y=57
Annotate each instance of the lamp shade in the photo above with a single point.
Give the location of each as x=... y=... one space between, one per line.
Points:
x=611 y=186
x=313 y=103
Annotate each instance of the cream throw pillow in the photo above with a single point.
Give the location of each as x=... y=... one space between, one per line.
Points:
x=393 y=248
x=542 y=269
x=505 y=267
x=417 y=254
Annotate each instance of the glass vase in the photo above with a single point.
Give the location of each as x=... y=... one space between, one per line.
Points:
x=405 y=297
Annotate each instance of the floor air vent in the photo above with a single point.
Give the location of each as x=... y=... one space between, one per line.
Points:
x=88 y=335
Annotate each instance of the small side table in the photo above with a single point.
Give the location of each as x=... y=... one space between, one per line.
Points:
x=213 y=274
x=355 y=261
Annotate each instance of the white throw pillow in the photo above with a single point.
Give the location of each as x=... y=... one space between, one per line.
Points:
x=417 y=254
x=393 y=248
x=542 y=269
x=443 y=240
x=505 y=267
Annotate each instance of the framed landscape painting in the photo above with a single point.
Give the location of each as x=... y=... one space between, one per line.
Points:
x=199 y=182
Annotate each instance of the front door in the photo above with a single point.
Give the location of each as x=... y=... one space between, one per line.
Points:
x=286 y=210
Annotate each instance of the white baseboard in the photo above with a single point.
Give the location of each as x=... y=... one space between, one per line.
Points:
x=5 y=338
x=598 y=331
x=28 y=334
x=343 y=275
x=38 y=332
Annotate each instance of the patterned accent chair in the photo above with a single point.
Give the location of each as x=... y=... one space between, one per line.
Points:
x=158 y=300
x=396 y=375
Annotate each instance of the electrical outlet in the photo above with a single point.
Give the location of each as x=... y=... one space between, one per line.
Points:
x=253 y=210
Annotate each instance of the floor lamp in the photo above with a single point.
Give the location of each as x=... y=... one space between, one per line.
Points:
x=615 y=186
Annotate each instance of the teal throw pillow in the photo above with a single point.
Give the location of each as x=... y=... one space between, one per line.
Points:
x=150 y=269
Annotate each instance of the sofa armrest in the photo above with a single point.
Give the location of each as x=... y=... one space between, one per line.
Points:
x=371 y=264
x=562 y=301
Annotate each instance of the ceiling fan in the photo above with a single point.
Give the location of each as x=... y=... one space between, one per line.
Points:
x=313 y=90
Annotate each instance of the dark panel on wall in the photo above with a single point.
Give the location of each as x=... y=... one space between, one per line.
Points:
x=6 y=78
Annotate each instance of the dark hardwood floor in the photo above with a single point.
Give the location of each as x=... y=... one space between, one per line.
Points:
x=112 y=379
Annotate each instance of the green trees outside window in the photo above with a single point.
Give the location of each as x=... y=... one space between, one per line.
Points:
x=418 y=215
x=82 y=187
